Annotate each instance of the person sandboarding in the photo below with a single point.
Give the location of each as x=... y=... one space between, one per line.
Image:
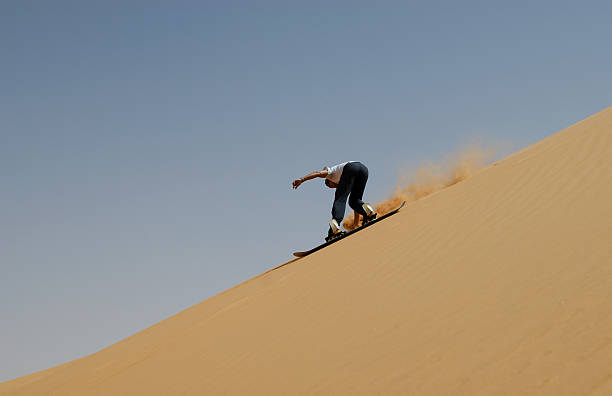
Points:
x=349 y=179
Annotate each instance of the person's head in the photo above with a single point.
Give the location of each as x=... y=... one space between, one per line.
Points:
x=330 y=183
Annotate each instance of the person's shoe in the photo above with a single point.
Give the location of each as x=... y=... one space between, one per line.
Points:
x=370 y=213
x=334 y=230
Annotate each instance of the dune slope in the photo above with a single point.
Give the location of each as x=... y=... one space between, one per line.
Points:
x=501 y=284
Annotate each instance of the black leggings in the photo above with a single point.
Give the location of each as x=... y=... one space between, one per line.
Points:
x=353 y=181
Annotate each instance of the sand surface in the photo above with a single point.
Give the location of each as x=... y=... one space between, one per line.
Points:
x=498 y=285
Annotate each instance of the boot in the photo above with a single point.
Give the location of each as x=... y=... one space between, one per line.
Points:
x=334 y=230
x=370 y=213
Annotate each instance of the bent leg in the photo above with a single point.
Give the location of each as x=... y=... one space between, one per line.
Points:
x=359 y=184
x=342 y=192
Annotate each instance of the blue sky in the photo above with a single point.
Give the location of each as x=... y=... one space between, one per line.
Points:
x=147 y=148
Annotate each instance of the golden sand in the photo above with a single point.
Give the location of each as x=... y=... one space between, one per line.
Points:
x=498 y=285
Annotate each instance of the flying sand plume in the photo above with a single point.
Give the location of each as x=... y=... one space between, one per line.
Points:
x=430 y=178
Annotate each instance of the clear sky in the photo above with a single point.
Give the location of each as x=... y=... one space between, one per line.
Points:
x=147 y=148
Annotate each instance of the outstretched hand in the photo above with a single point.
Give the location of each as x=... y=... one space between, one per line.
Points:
x=297 y=182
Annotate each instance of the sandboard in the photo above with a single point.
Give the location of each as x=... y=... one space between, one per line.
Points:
x=346 y=234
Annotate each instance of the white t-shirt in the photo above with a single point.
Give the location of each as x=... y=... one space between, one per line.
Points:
x=335 y=172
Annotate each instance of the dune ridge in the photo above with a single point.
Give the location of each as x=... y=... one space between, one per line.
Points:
x=498 y=285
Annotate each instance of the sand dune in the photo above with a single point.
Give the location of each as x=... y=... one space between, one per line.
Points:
x=498 y=285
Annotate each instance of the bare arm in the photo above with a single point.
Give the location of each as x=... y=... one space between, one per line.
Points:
x=311 y=175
